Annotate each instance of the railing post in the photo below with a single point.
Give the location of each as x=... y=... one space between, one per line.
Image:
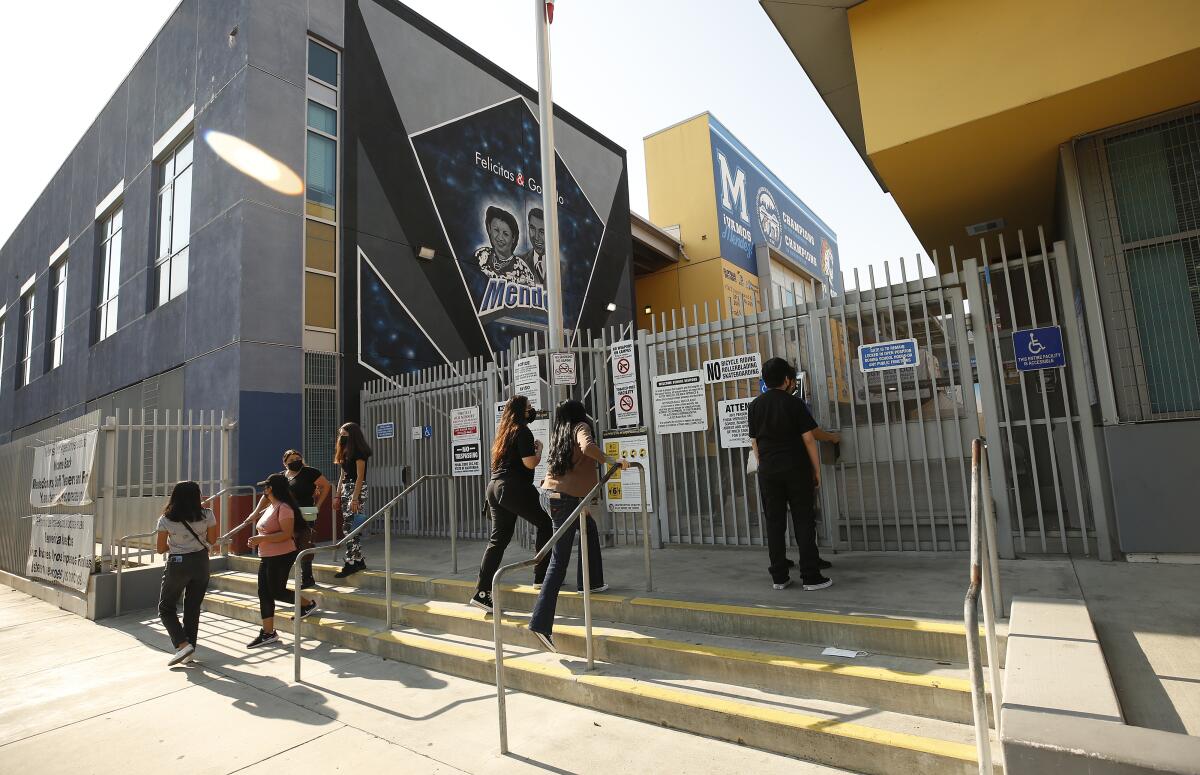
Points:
x=583 y=518
x=983 y=747
x=645 y=528
x=111 y=455
x=497 y=615
x=387 y=567
x=453 y=527
x=297 y=622
x=120 y=562
x=991 y=592
x=227 y=426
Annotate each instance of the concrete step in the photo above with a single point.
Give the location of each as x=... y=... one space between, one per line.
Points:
x=852 y=737
x=938 y=641
x=904 y=685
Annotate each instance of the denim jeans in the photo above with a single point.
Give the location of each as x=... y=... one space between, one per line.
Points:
x=560 y=557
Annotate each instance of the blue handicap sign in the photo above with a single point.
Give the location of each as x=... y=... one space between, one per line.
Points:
x=762 y=386
x=427 y=431
x=881 y=356
x=1039 y=348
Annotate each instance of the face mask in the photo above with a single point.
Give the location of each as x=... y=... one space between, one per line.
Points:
x=531 y=415
x=343 y=439
x=295 y=465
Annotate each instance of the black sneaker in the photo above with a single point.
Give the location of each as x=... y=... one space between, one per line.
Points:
x=350 y=568
x=821 y=564
x=820 y=582
x=546 y=641
x=306 y=610
x=595 y=590
x=263 y=639
x=482 y=600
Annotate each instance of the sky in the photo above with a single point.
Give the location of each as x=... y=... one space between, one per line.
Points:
x=626 y=67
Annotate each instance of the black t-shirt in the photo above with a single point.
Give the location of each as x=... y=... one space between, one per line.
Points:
x=510 y=467
x=304 y=485
x=778 y=421
x=350 y=470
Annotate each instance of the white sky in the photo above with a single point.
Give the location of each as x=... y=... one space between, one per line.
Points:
x=627 y=67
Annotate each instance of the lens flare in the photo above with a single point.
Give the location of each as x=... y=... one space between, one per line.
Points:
x=254 y=162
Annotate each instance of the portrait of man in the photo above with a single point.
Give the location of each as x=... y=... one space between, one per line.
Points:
x=535 y=257
x=497 y=259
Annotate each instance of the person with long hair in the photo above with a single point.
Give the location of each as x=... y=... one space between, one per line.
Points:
x=310 y=488
x=570 y=476
x=351 y=454
x=274 y=537
x=511 y=494
x=186 y=532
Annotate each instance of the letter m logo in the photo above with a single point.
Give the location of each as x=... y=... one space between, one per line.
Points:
x=733 y=189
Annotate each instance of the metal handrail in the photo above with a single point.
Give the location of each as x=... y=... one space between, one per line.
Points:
x=985 y=576
x=385 y=510
x=122 y=543
x=227 y=539
x=497 y=593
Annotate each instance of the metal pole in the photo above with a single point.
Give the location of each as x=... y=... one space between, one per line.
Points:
x=453 y=527
x=645 y=528
x=497 y=615
x=587 y=587
x=297 y=622
x=387 y=567
x=111 y=441
x=983 y=747
x=991 y=593
x=549 y=180
x=226 y=479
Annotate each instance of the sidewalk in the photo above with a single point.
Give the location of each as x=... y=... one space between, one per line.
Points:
x=82 y=697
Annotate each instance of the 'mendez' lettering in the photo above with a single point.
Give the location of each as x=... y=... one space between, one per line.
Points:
x=503 y=295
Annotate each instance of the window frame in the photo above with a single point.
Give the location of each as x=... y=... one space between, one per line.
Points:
x=108 y=264
x=172 y=257
x=27 y=316
x=56 y=314
x=318 y=96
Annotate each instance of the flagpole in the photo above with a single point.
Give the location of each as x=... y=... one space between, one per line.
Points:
x=549 y=179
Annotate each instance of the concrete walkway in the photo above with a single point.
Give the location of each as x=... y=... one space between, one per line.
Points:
x=82 y=697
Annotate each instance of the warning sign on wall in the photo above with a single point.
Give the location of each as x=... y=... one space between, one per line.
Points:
x=623 y=492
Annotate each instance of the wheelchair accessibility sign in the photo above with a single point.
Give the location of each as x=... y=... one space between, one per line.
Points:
x=1039 y=348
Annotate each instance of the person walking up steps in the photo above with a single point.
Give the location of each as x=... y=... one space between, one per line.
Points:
x=274 y=538
x=570 y=476
x=352 y=454
x=789 y=471
x=186 y=533
x=511 y=494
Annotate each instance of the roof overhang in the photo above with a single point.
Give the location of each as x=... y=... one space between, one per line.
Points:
x=818 y=33
x=653 y=248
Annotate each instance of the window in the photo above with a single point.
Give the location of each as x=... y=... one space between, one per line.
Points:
x=108 y=281
x=3 y=335
x=323 y=63
x=58 y=314
x=174 y=222
x=25 y=355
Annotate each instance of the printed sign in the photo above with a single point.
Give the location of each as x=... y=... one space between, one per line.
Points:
x=417 y=432
x=623 y=492
x=733 y=418
x=621 y=355
x=61 y=549
x=625 y=404
x=882 y=356
x=679 y=405
x=62 y=472
x=1039 y=348
x=562 y=368
x=385 y=430
x=464 y=441
x=747 y=366
x=527 y=380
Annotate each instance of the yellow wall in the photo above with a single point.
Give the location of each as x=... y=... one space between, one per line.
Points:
x=680 y=185
x=924 y=66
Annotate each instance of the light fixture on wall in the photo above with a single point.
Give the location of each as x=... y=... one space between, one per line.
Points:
x=612 y=306
x=646 y=311
x=426 y=253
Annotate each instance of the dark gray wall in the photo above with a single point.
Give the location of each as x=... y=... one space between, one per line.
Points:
x=1154 y=473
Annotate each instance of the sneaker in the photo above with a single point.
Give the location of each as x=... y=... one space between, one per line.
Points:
x=305 y=611
x=824 y=564
x=820 y=582
x=537 y=585
x=782 y=584
x=350 y=568
x=546 y=641
x=482 y=600
x=183 y=655
x=595 y=590
x=263 y=639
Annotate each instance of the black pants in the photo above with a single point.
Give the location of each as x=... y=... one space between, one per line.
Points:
x=783 y=490
x=273 y=573
x=304 y=540
x=507 y=501
x=187 y=575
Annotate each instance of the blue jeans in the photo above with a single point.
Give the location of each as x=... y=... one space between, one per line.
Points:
x=560 y=557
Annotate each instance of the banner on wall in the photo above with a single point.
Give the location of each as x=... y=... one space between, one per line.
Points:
x=62 y=472
x=61 y=549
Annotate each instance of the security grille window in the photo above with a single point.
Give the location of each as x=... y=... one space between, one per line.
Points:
x=320 y=410
x=174 y=222
x=58 y=314
x=25 y=355
x=1150 y=244
x=321 y=193
x=108 y=280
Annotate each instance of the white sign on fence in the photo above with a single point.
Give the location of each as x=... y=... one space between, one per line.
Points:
x=747 y=366
x=61 y=549
x=416 y=432
x=624 y=380
x=62 y=472
x=623 y=492
x=733 y=417
x=679 y=405
x=563 y=370
x=527 y=380
x=466 y=455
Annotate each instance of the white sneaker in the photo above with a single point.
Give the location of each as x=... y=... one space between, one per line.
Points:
x=182 y=655
x=782 y=585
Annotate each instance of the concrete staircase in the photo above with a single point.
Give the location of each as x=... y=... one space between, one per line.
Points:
x=751 y=675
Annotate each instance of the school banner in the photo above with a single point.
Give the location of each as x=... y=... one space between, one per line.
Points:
x=62 y=472
x=61 y=549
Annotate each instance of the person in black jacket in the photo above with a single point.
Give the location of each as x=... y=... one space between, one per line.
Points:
x=789 y=471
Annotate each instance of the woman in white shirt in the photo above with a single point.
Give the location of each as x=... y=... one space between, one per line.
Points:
x=186 y=533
